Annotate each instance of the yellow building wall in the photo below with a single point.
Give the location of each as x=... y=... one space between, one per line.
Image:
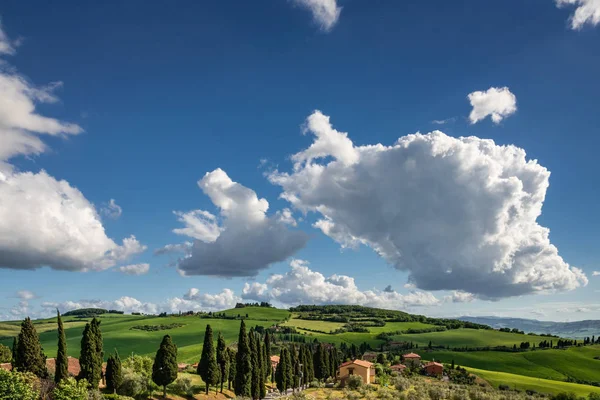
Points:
x=359 y=370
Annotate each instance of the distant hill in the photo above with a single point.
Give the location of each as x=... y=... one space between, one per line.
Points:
x=575 y=330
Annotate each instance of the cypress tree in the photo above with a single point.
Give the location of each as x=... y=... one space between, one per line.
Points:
x=289 y=377
x=14 y=351
x=62 y=363
x=207 y=367
x=327 y=362
x=280 y=374
x=232 y=367
x=295 y=365
x=260 y=354
x=222 y=359
x=113 y=373
x=91 y=355
x=29 y=354
x=255 y=391
x=243 y=376
x=267 y=346
x=164 y=369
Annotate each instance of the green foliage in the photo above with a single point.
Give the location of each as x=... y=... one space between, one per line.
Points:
x=62 y=363
x=30 y=356
x=208 y=368
x=354 y=382
x=16 y=385
x=243 y=376
x=222 y=360
x=114 y=374
x=232 y=367
x=70 y=389
x=5 y=354
x=184 y=386
x=86 y=312
x=281 y=378
x=156 y=328
x=164 y=369
x=91 y=356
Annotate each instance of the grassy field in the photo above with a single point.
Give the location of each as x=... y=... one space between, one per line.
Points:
x=575 y=362
x=521 y=382
x=321 y=326
x=259 y=313
x=470 y=338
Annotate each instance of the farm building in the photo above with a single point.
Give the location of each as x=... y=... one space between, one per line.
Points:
x=398 y=367
x=6 y=366
x=182 y=366
x=434 y=368
x=412 y=360
x=73 y=366
x=362 y=368
x=370 y=356
x=274 y=362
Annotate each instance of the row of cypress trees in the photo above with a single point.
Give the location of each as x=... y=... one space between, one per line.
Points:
x=28 y=355
x=308 y=361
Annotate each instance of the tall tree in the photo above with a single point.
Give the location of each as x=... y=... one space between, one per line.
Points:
x=309 y=375
x=113 y=373
x=289 y=370
x=255 y=390
x=295 y=365
x=280 y=371
x=243 y=376
x=335 y=363
x=164 y=369
x=222 y=359
x=267 y=349
x=62 y=362
x=260 y=354
x=232 y=367
x=29 y=354
x=14 y=351
x=207 y=367
x=91 y=355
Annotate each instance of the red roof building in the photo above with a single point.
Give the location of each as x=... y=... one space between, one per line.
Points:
x=434 y=368
x=73 y=367
x=398 y=367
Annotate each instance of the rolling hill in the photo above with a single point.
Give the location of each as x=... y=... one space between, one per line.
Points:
x=575 y=330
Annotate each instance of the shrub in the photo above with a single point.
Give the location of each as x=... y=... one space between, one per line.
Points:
x=564 y=396
x=400 y=383
x=15 y=385
x=436 y=393
x=354 y=382
x=504 y=387
x=594 y=396
x=316 y=384
x=70 y=389
x=183 y=386
x=116 y=397
x=134 y=384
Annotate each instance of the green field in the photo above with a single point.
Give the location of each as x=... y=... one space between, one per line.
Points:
x=469 y=337
x=521 y=382
x=321 y=326
x=259 y=313
x=577 y=362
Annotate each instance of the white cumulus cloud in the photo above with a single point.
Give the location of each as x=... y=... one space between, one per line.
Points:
x=497 y=103
x=596 y=273
x=586 y=12
x=325 y=12
x=456 y=213
x=301 y=285
x=220 y=301
x=135 y=269
x=247 y=240
x=26 y=295
x=7 y=46
x=458 y=296
x=44 y=221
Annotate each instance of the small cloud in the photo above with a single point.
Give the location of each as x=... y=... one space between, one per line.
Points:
x=587 y=12
x=112 y=209
x=443 y=121
x=135 y=269
x=596 y=273
x=325 y=12
x=498 y=103
x=388 y=289
x=26 y=295
x=410 y=286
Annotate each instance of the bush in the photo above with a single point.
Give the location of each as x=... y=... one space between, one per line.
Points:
x=316 y=384
x=354 y=382
x=400 y=383
x=565 y=396
x=183 y=386
x=436 y=393
x=594 y=396
x=15 y=385
x=504 y=387
x=116 y=397
x=70 y=389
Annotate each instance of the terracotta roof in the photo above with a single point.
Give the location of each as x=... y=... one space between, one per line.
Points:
x=362 y=363
x=429 y=364
x=195 y=365
x=182 y=365
x=275 y=359
x=411 y=355
x=6 y=366
x=74 y=368
x=398 y=366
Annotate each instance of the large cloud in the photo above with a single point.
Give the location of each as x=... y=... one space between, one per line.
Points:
x=497 y=103
x=325 y=12
x=456 y=213
x=587 y=12
x=301 y=285
x=44 y=221
x=247 y=240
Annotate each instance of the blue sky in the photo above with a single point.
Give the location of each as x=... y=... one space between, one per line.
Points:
x=153 y=97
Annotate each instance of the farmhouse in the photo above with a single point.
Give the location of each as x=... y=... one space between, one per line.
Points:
x=398 y=368
x=362 y=368
x=6 y=366
x=434 y=368
x=274 y=362
x=370 y=356
x=73 y=366
x=412 y=360
x=182 y=366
